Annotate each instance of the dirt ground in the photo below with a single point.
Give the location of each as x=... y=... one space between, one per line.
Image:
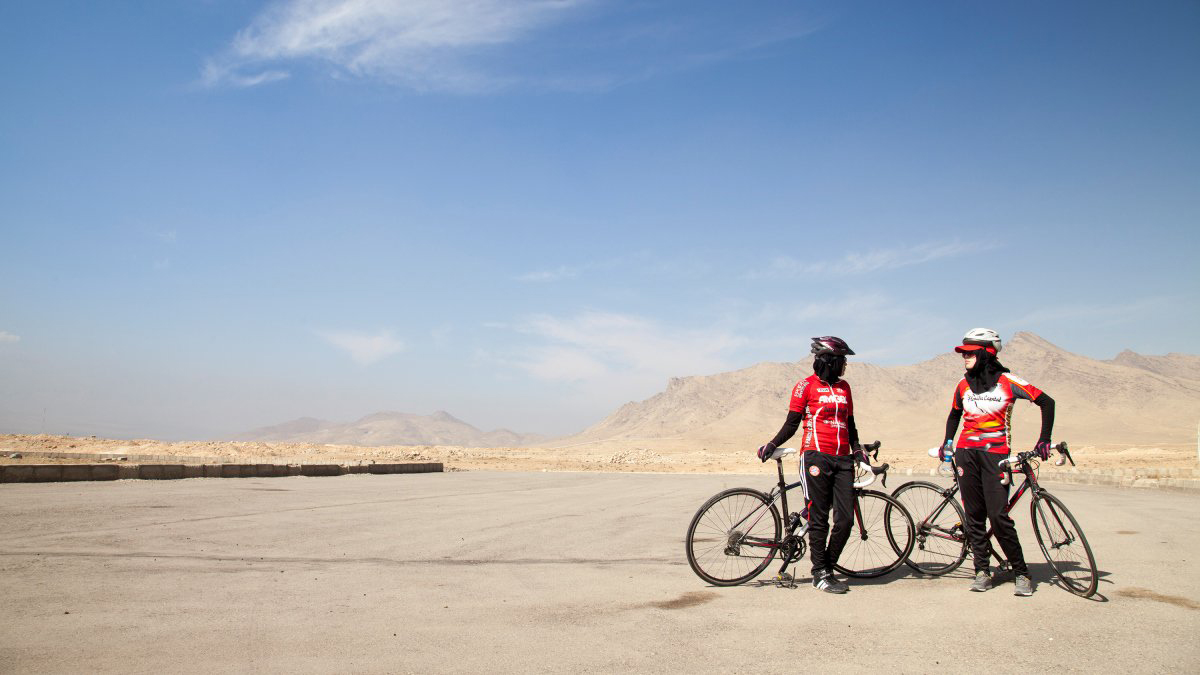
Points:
x=663 y=456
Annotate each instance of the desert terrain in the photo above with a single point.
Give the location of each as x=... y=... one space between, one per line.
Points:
x=1130 y=412
x=659 y=455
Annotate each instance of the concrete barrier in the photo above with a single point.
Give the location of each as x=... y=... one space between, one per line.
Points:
x=160 y=471
x=237 y=470
x=322 y=469
x=409 y=467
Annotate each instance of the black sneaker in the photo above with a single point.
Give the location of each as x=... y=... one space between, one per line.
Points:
x=983 y=581
x=825 y=581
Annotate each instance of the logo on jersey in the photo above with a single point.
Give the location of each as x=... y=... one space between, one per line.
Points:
x=833 y=398
x=960 y=471
x=814 y=471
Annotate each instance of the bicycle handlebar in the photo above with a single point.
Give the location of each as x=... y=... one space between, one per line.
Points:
x=1023 y=457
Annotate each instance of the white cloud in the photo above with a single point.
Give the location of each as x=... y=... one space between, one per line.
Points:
x=364 y=348
x=868 y=261
x=596 y=346
x=467 y=45
x=545 y=276
x=1092 y=314
x=9 y=337
x=417 y=42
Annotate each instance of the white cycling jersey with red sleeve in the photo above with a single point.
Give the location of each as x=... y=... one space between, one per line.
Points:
x=987 y=417
x=827 y=409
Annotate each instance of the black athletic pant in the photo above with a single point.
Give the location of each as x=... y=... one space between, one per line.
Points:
x=984 y=497
x=830 y=483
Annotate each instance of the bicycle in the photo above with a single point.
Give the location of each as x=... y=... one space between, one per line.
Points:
x=942 y=543
x=736 y=534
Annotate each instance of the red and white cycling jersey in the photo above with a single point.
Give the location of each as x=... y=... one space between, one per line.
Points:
x=827 y=409
x=988 y=416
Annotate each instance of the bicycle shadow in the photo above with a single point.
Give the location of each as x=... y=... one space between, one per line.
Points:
x=1042 y=574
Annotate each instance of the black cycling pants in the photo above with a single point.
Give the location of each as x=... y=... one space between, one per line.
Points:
x=984 y=497
x=830 y=483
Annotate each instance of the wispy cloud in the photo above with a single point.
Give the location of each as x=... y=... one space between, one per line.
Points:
x=1093 y=313
x=484 y=45
x=364 y=348
x=866 y=262
x=421 y=43
x=546 y=276
x=9 y=337
x=605 y=346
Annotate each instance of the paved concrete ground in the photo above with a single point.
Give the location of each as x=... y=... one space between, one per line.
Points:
x=545 y=572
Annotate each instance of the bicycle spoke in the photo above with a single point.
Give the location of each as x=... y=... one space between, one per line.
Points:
x=940 y=542
x=881 y=535
x=1064 y=544
x=733 y=537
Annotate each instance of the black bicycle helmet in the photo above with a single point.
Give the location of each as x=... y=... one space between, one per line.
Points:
x=831 y=345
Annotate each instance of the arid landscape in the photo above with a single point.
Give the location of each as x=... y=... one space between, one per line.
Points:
x=1132 y=411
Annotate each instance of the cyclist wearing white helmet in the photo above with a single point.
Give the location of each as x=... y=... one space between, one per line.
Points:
x=983 y=400
x=822 y=401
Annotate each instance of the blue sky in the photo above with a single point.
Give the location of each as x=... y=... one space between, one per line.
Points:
x=221 y=214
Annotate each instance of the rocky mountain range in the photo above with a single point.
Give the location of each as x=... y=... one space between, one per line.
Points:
x=1132 y=400
x=391 y=428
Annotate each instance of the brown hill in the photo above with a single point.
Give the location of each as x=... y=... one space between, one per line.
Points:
x=1133 y=400
x=390 y=428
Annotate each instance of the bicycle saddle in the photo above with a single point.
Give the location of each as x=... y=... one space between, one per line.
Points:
x=780 y=453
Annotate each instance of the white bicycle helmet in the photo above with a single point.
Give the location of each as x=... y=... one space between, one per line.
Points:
x=982 y=337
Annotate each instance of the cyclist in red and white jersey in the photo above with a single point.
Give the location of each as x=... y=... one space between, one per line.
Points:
x=823 y=403
x=983 y=401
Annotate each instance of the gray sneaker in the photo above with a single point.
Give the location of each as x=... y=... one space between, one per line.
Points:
x=983 y=581
x=825 y=581
x=1023 y=585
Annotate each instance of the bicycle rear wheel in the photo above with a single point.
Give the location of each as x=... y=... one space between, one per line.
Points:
x=941 y=544
x=733 y=537
x=1063 y=544
x=881 y=536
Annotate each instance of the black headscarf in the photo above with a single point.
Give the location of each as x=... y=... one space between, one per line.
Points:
x=984 y=375
x=828 y=367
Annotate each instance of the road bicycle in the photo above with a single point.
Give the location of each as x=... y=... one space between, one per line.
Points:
x=942 y=544
x=738 y=532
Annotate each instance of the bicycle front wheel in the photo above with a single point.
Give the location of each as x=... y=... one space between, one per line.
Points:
x=941 y=544
x=881 y=536
x=733 y=537
x=1063 y=544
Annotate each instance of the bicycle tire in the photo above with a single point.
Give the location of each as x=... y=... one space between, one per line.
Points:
x=728 y=543
x=873 y=548
x=1072 y=557
x=941 y=544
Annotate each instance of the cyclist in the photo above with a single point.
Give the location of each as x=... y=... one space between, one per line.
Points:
x=983 y=400
x=822 y=401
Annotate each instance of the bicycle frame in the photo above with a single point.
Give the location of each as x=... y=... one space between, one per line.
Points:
x=1029 y=483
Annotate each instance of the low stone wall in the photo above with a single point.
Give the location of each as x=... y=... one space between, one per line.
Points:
x=50 y=473
x=1184 y=479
